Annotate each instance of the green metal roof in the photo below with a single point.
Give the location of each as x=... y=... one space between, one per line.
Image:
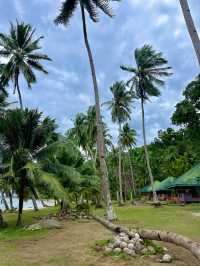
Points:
x=190 y=179
x=148 y=188
x=166 y=183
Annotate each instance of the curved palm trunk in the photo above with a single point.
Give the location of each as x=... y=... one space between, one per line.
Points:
x=34 y=196
x=121 y=201
x=35 y=206
x=191 y=27
x=100 y=138
x=39 y=198
x=155 y=198
x=4 y=201
x=132 y=176
x=11 y=200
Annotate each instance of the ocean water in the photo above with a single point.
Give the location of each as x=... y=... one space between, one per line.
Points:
x=28 y=205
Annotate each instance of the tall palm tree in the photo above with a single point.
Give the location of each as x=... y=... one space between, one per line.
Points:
x=120 y=107
x=21 y=50
x=148 y=75
x=128 y=141
x=191 y=27
x=66 y=12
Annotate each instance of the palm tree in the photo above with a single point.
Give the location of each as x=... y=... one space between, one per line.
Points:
x=148 y=75
x=21 y=50
x=120 y=106
x=66 y=12
x=128 y=141
x=79 y=132
x=25 y=134
x=191 y=27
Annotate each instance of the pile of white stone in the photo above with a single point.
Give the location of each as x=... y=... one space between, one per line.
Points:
x=124 y=243
x=133 y=244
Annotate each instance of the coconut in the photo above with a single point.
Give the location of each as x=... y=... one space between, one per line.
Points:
x=117 y=250
x=137 y=236
x=167 y=258
x=131 y=246
x=123 y=245
x=116 y=244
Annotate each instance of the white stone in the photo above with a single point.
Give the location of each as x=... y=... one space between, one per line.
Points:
x=137 y=236
x=131 y=246
x=117 y=244
x=117 y=250
x=165 y=249
x=34 y=227
x=110 y=245
x=122 y=234
x=108 y=249
x=130 y=252
x=138 y=246
x=123 y=245
x=125 y=239
x=167 y=258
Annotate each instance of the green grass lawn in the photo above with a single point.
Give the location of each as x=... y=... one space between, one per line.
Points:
x=19 y=247
x=178 y=219
x=29 y=217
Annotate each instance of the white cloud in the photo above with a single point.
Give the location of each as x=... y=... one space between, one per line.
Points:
x=19 y=7
x=162 y=19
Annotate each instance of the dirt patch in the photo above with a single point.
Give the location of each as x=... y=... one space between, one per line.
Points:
x=196 y=214
x=72 y=246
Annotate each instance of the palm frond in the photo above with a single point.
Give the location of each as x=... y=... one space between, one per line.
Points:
x=36 y=65
x=104 y=5
x=66 y=11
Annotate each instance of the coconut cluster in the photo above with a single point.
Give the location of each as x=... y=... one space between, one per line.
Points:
x=132 y=244
x=127 y=244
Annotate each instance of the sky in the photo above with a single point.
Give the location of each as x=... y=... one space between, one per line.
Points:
x=67 y=89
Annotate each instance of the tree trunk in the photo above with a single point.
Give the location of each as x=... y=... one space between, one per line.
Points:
x=34 y=197
x=155 y=198
x=35 y=206
x=4 y=201
x=157 y=235
x=132 y=176
x=11 y=200
x=18 y=90
x=191 y=27
x=43 y=203
x=2 y=224
x=121 y=201
x=21 y=200
x=100 y=138
x=37 y=195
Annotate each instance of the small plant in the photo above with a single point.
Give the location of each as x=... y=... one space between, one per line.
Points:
x=158 y=249
x=101 y=244
x=83 y=207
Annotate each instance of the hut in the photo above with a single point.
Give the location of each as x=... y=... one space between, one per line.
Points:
x=187 y=186
x=164 y=193
x=148 y=189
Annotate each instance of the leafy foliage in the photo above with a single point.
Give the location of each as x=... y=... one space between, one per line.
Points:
x=68 y=8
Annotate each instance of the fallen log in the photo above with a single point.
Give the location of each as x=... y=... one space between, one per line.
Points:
x=157 y=235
